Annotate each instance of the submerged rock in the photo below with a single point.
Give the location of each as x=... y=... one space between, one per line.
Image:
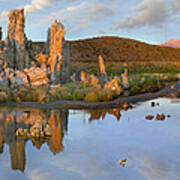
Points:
x=160 y=117
x=149 y=117
x=122 y=161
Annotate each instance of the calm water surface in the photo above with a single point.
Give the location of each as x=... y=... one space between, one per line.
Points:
x=87 y=145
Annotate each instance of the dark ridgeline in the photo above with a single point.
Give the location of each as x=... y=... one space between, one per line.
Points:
x=11 y=121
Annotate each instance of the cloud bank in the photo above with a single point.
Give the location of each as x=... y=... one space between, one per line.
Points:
x=150 y=13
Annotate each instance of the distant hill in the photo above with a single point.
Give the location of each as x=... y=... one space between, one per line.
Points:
x=175 y=43
x=115 y=49
x=120 y=49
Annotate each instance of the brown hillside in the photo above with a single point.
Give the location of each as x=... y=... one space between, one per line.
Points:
x=120 y=49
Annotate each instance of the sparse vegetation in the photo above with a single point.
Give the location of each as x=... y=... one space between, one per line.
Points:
x=139 y=83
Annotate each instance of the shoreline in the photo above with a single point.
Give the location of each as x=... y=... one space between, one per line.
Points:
x=117 y=103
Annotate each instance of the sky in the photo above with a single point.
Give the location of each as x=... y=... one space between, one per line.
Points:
x=151 y=21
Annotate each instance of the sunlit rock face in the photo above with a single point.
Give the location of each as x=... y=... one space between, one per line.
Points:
x=101 y=65
x=37 y=76
x=113 y=85
x=58 y=52
x=16 y=26
x=57 y=33
x=16 y=45
x=42 y=59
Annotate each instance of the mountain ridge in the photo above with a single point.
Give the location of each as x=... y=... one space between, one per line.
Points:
x=175 y=43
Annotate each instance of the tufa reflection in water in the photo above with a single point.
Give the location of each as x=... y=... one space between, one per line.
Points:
x=98 y=114
x=11 y=121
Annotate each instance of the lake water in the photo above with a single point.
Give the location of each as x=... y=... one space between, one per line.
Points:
x=87 y=145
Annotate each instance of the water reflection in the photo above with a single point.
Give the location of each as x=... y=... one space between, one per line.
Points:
x=101 y=114
x=11 y=121
x=92 y=150
x=57 y=120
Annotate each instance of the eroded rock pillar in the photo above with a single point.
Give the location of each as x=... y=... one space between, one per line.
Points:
x=58 y=53
x=16 y=55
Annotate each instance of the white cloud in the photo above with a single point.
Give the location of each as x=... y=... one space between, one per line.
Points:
x=176 y=6
x=37 y=174
x=3 y=16
x=81 y=15
x=148 y=12
x=34 y=6
x=38 y=5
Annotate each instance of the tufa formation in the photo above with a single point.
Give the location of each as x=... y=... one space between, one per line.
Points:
x=20 y=62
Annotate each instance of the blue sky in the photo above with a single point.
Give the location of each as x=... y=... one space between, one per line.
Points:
x=152 y=21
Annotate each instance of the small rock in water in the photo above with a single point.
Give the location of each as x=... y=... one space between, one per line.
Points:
x=130 y=106
x=122 y=161
x=152 y=104
x=125 y=107
x=160 y=117
x=168 y=115
x=149 y=117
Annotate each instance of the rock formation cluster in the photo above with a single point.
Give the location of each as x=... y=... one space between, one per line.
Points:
x=21 y=66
